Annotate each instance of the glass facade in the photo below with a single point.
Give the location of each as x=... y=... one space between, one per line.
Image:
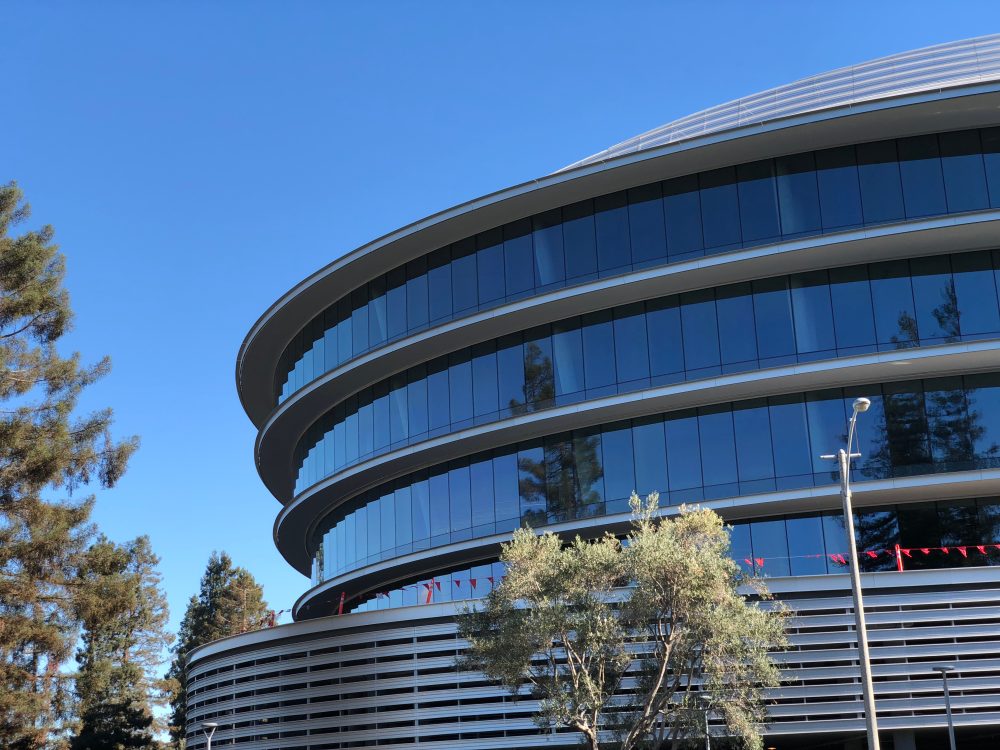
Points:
x=746 y=326
x=686 y=217
x=754 y=446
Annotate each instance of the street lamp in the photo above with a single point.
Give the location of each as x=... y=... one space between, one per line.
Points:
x=944 y=669
x=843 y=459
x=209 y=727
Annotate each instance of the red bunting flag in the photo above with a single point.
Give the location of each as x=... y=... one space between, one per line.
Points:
x=981 y=548
x=945 y=550
x=438 y=584
x=906 y=551
x=759 y=561
x=458 y=583
x=490 y=579
x=925 y=550
x=472 y=582
x=962 y=551
x=871 y=553
x=748 y=561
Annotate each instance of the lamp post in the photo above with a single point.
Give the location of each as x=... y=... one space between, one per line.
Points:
x=843 y=459
x=209 y=727
x=944 y=670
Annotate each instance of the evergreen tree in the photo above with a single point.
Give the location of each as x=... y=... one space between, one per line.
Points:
x=45 y=449
x=229 y=602
x=124 y=615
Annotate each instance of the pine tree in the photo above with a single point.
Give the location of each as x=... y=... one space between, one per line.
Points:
x=229 y=602
x=124 y=615
x=45 y=449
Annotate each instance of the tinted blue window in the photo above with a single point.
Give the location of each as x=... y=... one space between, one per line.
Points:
x=332 y=341
x=752 y=429
x=619 y=466
x=589 y=470
x=481 y=476
x=976 y=293
x=839 y=188
x=964 y=174
x=853 y=316
x=416 y=401
x=869 y=436
x=789 y=425
x=345 y=331
x=559 y=479
x=611 y=222
x=395 y=303
x=377 y=321
x=827 y=428
x=567 y=354
x=359 y=319
x=539 y=380
x=991 y=162
x=758 y=201
x=798 y=194
x=739 y=547
x=772 y=305
x=531 y=483
x=374 y=524
x=464 y=284
x=420 y=498
x=934 y=298
x=920 y=170
x=579 y=240
x=439 y=284
x=598 y=349
x=416 y=293
x=631 y=349
x=805 y=545
x=361 y=534
x=983 y=399
x=771 y=545
x=398 y=413
x=813 y=312
x=881 y=192
x=351 y=429
x=645 y=223
x=460 y=387
x=438 y=395
x=439 y=508
x=951 y=443
x=892 y=297
x=510 y=370
x=387 y=522
x=906 y=427
x=505 y=486
x=366 y=435
x=404 y=516
x=701 y=332
x=650 y=457
x=518 y=258
x=548 y=241
x=718 y=450
x=720 y=210
x=683 y=453
x=490 y=265
x=666 y=348
x=875 y=529
x=484 y=379
x=682 y=212
x=737 y=338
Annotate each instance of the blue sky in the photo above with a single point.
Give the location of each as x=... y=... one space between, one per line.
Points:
x=199 y=159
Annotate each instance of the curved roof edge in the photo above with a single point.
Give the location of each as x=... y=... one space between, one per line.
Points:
x=932 y=68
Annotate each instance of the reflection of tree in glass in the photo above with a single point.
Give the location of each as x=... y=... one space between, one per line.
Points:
x=947 y=313
x=954 y=429
x=565 y=483
x=907 y=326
x=875 y=529
x=539 y=382
x=904 y=424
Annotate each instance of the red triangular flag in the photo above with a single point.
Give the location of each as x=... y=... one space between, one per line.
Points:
x=458 y=583
x=748 y=561
x=438 y=584
x=759 y=561
x=490 y=579
x=871 y=554
x=962 y=551
x=906 y=551
x=945 y=550
x=472 y=582
x=925 y=550
x=981 y=548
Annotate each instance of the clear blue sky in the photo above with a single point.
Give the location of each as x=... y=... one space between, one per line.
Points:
x=197 y=159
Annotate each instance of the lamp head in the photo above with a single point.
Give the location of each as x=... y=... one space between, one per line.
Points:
x=943 y=668
x=861 y=404
x=209 y=725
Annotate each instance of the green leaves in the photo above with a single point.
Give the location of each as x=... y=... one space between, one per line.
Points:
x=627 y=640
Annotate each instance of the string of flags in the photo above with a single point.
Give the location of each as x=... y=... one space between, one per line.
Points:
x=897 y=552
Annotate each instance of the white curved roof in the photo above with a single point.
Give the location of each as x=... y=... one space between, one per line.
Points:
x=949 y=65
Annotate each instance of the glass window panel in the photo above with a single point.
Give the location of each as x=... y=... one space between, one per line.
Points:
x=718 y=445
x=374 y=518
x=701 y=332
x=438 y=395
x=920 y=170
x=510 y=367
x=771 y=545
x=682 y=213
x=531 y=484
x=720 y=210
x=934 y=297
x=619 y=465
x=631 y=348
x=666 y=347
x=580 y=240
x=853 y=316
x=481 y=476
x=567 y=351
x=683 y=451
x=989 y=519
x=906 y=426
x=869 y=434
x=839 y=188
x=339 y=444
x=359 y=319
x=464 y=284
x=421 y=500
x=739 y=547
x=791 y=449
x=351 y=429
x=439 y=284
x=798 y=194
x=490 y=266
x=964 y=174
x=772 y=305
x=345 y=331
x=387 y=507
x=892 y=296
x=875 y=529
x=366 y=434
x=813 y=312
x=589 y=470
x=361 y=535
x=398 y=414
x=881 y=192
x=560 y=478
x=396 y=303
x=991 y=161
x=539 y=380
x=983 y=398
x=611 y=223
x=484 y=379
x=645 y=223
x=737 y=337
x=460 y=386
x=505 y=485
x=598 y=349
x=547 y=231
x=416 y=294
x=958 y=522
x=416 y=401
x=835 y=539
x=976 y=293
x=404 y=516
x=827 y=427
x=439 y=506
x=650 y=457
x=752 y=429
x=518 y=257
x=758 y=201
x=332 y=342
x=918 y=527
x=948 y=423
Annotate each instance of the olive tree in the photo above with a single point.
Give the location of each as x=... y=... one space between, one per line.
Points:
x=631 y=643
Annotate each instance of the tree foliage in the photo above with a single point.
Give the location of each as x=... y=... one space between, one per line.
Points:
x=631 y=642
x=124 y=615
x=229 y=602
x=47 y=450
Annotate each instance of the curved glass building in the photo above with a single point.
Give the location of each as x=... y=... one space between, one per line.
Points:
x=691 y=311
